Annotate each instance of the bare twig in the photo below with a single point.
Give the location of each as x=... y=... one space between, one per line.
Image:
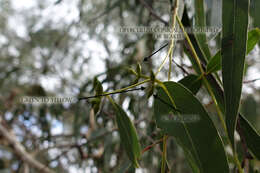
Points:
x=152 y=12
x=152 y=145
x=106 y=94
x=21 y=152
x=251 y=81
x=181 y=67
x=112 y=7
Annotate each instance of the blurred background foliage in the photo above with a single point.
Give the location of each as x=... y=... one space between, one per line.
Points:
x=50 y=48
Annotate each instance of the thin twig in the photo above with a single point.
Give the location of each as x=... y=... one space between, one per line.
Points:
x=21 y=152
x=251 y=81
x=151 y=146
x=183 y=69
x=112 y=7
x=135 y=89
x=150 y=9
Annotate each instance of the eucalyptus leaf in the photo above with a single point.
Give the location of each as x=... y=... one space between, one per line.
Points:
x=200 y=21
x=233 y=50
x=128 y=135
x=252 y=137
x=215 y=62
x=193 y=129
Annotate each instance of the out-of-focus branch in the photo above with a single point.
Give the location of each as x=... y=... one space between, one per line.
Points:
x=21 y=152
x=152 y=12
x=251 y=81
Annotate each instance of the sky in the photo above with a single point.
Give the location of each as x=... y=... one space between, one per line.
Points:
x=67 y=12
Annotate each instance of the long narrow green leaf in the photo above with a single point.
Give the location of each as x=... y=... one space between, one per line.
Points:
x=128 y=135
x=251 y=136
x=200 y=21
x=217 y=89
x=233 y=49
x=215 y=62
x=192 y=128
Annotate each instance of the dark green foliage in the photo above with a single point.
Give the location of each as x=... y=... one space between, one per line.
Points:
x=128 y=135
x=233 y=50
x=192 y=82
x=252 y=137
x=216 y=61
x=192 y=128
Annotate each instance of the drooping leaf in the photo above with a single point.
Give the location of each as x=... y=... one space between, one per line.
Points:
x=254 y=11
x=192 y=128
x=214 y=84
x=128 y=135
x=217 y=89
x=252 y=137
x=233 y=50
x=200 y=21
x=192 y=82
x=186 y=23
x=215 y=62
